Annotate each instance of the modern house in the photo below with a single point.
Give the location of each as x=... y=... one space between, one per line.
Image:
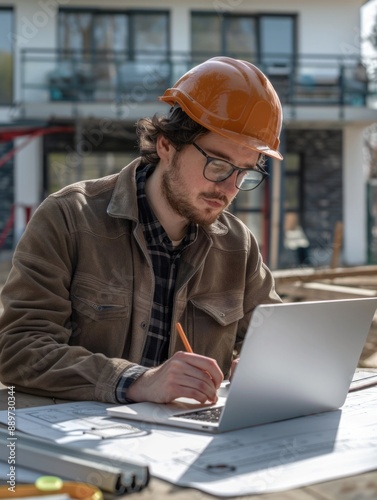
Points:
x=77 y=74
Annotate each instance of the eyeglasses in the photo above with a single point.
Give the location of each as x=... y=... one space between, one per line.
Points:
x=217 y=170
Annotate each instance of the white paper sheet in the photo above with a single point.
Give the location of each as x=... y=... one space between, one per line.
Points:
x=260 y=459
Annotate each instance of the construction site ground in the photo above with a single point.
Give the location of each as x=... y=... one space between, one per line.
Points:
x=309 y=284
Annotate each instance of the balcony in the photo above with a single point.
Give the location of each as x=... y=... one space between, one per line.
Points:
x=114 y=84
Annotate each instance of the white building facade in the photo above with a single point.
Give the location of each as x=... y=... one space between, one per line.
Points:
x=78 y=74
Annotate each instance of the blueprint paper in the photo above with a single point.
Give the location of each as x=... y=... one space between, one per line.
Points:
x=260 y=459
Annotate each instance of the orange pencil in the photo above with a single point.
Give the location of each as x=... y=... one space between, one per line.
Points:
x=182 y=334
x=186 y=343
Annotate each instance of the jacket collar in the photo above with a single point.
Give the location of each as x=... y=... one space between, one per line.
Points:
x=123 y=203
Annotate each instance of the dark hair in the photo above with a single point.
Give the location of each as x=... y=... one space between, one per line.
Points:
x=177 y=126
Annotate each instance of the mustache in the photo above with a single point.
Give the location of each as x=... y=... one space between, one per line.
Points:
x=216 y=196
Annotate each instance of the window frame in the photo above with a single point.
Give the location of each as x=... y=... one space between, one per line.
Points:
x=258 y=56
x=11 y=10
x=130 y=49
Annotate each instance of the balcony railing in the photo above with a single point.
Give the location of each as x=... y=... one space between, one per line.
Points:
x=73 y=76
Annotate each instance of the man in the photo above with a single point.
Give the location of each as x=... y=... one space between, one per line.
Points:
x=107 y=267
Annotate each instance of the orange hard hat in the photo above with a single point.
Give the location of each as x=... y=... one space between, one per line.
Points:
x=232 y=98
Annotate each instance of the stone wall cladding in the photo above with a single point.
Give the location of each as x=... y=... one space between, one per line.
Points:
x=321 y=152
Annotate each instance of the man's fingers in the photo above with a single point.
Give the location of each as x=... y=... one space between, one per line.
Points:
x=207 y=366
x=183 y=375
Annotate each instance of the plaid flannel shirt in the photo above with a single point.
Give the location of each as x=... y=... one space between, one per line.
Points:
x=165 y=260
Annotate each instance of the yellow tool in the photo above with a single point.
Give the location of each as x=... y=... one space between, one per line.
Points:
x=51 y=485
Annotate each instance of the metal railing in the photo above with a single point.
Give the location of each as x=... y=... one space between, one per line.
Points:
x=110 y=76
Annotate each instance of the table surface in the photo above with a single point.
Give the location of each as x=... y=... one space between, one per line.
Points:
x=358 y=487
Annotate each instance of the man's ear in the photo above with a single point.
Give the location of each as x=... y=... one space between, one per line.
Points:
x=164 y=148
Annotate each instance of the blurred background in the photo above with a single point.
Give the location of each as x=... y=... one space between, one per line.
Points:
x=76 y=75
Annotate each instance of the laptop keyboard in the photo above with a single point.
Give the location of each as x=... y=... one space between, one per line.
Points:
x=204 y=415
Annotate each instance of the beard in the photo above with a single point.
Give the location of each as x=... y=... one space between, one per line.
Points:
x=176 y=192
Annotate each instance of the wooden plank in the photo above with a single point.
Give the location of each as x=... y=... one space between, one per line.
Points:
x=337 y=244
x=362 y=281
x=322 y=291
x=311 y=274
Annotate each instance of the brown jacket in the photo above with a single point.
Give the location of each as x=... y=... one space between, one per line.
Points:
x=78 y=299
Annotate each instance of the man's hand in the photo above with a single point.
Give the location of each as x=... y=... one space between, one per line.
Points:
x=183 y=375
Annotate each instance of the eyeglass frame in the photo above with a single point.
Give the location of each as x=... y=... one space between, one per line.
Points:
x=234 y=168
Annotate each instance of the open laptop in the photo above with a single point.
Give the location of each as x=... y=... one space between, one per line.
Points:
x=297 y=359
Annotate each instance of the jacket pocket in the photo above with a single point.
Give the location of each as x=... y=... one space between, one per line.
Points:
x=100 y=301
x=224 y=310
x=213 y=322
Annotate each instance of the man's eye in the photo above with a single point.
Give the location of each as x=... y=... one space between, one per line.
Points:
x=220 y=167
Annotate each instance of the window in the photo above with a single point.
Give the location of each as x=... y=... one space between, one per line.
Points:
x=277 y=44
x=240 y=37
x=150 y=33
x=268 y=40
x=6 y=56
x=133 y=32
x=106 y=51
x=248 y=206
x=60 y=172
x=206 y=34
x=212 y=35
